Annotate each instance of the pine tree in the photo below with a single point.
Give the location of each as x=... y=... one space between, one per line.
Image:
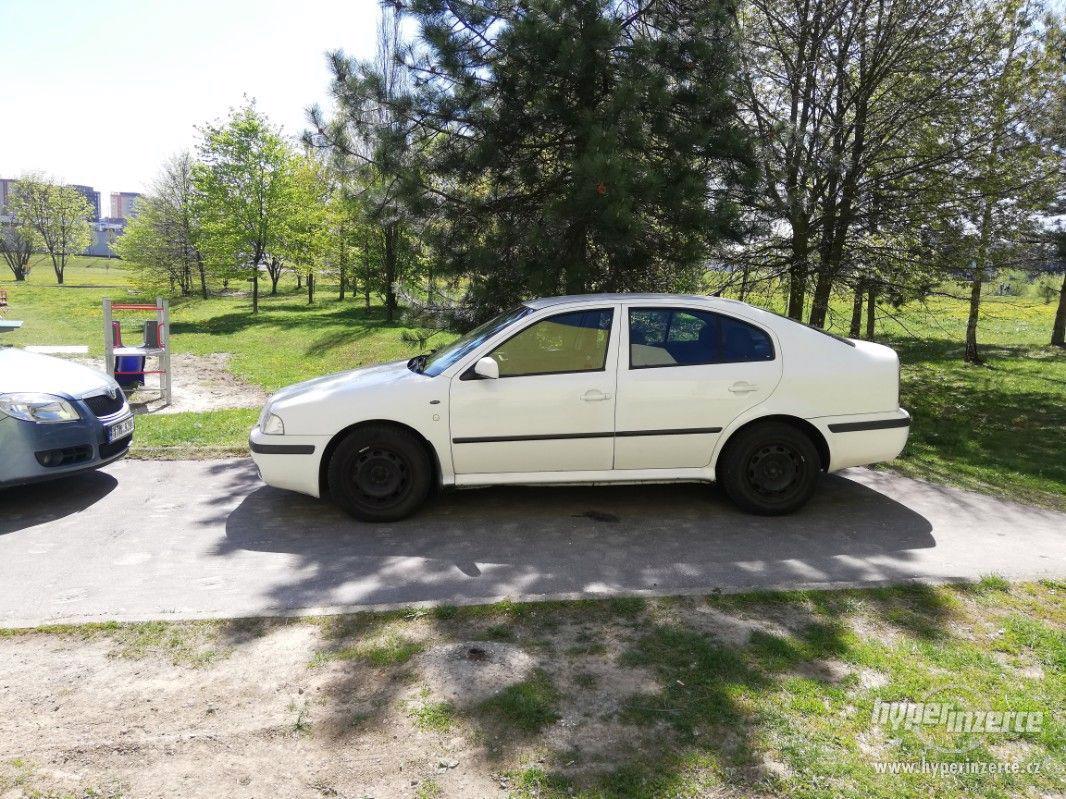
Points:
x=566 y=146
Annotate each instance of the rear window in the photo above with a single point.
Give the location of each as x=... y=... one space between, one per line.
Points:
x=690 y=337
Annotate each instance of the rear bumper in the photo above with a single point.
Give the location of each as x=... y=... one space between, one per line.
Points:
x=861 y=439
x=289 y=462
x=83 y=443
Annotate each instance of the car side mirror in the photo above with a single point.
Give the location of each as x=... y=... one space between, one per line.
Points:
x=488 y=368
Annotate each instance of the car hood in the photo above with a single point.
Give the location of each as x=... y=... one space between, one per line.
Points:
x=29 y=371
x=366 y=377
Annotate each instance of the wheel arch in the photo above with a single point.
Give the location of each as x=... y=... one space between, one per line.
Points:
x=340 y=435
x=805 y=427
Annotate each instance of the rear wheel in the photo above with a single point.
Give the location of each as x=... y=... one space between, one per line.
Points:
x=380 y=473
x=770 y=469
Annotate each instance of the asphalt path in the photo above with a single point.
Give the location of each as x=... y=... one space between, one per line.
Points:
x=207 y=539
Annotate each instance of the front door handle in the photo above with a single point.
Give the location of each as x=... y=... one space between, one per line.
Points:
x=592 y=395
x=743 y=387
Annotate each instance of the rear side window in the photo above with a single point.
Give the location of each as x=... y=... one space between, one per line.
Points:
x=688 y=337
x=569 y=342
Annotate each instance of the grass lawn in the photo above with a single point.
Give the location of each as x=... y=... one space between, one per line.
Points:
x=747 y=695
x=998 y=428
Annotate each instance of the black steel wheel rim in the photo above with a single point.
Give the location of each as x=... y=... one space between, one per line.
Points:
x=775 y=470
x=380 y=476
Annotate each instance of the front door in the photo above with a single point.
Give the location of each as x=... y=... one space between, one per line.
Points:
x=552 y=407
x=684 y=375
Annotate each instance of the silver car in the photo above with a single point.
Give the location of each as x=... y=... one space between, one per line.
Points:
x=57 y=418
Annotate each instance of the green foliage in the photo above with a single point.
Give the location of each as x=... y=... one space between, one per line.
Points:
x=53 y=218
x=557 y=147
x=161 y=241
x=246 y=193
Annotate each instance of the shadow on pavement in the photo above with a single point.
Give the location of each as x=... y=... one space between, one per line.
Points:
x=471 y=545
x=30 y=505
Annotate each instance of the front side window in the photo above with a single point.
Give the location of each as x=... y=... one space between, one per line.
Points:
x=568 y=342
x=687 y=337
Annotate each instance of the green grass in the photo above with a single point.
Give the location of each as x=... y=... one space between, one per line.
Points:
x=286 y=342
x=998 y=428
x=182 y=435
x=431 y=716
x=392 y=650
x=527 y=706
x=195 y=644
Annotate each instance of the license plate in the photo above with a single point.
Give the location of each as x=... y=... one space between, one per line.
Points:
x=120 y=430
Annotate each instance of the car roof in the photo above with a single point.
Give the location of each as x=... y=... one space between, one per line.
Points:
x=573 y=299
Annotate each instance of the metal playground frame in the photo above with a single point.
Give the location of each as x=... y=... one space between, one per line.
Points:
x=156 y=342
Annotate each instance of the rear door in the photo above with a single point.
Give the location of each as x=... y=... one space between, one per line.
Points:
x=552 y=407
x=684 y=374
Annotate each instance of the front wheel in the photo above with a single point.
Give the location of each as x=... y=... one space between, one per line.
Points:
x=380 y=473
x=769 y=469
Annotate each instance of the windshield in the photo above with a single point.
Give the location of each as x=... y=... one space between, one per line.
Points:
x=458 y=349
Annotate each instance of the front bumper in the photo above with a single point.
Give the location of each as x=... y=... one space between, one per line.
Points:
x=290 y=462
x=73 y=447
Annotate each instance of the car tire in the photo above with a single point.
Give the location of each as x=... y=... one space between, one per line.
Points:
x=380 y=473
x=769 y=469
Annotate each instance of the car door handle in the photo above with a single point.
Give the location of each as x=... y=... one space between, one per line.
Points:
x=592 y=395
x=743 y=387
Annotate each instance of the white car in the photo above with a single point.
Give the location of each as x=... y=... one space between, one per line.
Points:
x=599 y=388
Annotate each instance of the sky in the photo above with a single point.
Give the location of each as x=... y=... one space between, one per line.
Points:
x=102 y=92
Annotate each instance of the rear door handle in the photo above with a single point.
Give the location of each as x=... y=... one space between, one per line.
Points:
x=592 y=395
x=743 y=387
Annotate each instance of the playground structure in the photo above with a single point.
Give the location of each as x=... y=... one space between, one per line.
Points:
x=128 y=365
x=6 y=325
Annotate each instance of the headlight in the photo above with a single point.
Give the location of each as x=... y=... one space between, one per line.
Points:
x=272 y=425
x=40 y=408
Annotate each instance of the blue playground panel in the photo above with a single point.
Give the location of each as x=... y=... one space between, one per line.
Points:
x=129 y=363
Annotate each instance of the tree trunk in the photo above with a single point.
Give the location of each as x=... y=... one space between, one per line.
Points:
x=57 y=267
x=366 y=271
x=299 y=281
x=972 y=355
x=186 y=276
x=856 y=311
x=310 y=287
x=1058 y=331
x=203 y=275
x=871 y=312
x=820 y=301
x=797 y=270
x=342 y=263
x=390 y=271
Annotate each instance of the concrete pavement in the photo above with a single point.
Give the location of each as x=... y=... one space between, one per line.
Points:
x=201 y=539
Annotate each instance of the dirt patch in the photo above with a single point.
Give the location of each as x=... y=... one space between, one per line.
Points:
x=470 y=672
x=828 y=671
x=731 y=629
x=198 y=383
x=233 y=710
x=81 y=719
